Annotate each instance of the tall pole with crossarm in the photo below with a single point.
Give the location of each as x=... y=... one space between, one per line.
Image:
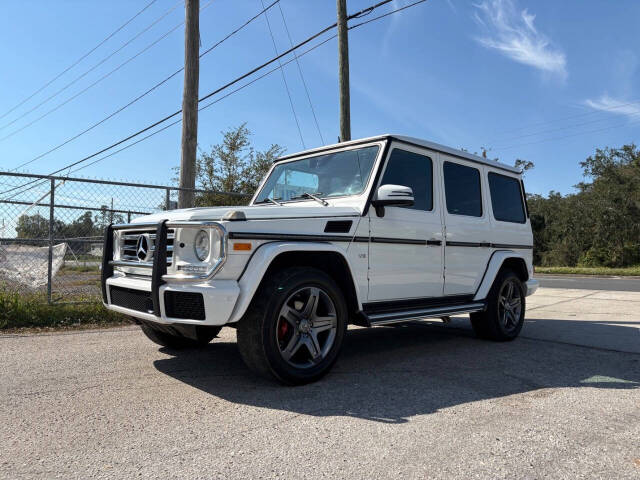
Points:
x=190 y=103
x=343 y=71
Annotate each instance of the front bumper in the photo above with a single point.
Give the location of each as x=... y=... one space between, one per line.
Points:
x=532 y=285
x=218 y=297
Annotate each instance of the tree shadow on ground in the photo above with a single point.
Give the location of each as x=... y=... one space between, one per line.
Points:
x=392 y=374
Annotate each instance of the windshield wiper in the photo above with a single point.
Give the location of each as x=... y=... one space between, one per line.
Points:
x=313 y=197
x=270 y=200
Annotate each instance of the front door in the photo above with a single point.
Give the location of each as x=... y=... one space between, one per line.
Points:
x=405 y=249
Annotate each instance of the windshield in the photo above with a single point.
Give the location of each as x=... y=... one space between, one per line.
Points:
x=329 y=175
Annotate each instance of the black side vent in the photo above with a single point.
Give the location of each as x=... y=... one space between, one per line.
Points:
x=338 y=226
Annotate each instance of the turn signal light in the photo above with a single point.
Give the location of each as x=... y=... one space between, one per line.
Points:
x=242 y=246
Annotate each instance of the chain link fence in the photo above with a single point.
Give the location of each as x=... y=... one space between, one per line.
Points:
x=52 y=228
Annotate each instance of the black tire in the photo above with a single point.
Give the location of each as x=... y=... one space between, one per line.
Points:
x=258 y=330
x=170 y=337
x=491 y=324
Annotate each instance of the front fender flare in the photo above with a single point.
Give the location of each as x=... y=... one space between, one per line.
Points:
x=493 y=267
x=262 y=258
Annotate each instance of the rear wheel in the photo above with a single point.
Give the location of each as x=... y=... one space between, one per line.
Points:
x=180 y=337
x=295 y=326
x=504 y=316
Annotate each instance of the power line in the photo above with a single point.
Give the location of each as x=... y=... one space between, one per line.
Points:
x=551 y=130
x=367 y=11
x=228 y=94
x=584 y=114
x=224 y=87
x=306 y=89
x=284 y=78
x=93 y=67
x=102 y=42
x=236 y=90
x=106 y=75
x=147 y=92
x=570 y=135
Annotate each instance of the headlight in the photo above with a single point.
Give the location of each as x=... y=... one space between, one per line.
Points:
x=200 y=250
x=202 y=245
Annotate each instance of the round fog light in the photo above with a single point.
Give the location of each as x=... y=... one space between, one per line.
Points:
x=201 y=245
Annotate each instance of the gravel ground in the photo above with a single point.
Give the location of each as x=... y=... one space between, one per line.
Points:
x=418 y=401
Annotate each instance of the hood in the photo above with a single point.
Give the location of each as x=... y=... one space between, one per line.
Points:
x=252 y=212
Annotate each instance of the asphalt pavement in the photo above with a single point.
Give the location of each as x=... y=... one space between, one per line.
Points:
x=415 y=401
x=587 y=282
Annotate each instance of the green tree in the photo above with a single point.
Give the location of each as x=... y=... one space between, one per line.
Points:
x=600 y=224
x=32 y=226
x=523 y=165
x=232 y=166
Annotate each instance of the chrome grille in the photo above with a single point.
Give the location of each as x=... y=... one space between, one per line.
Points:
x=129 y=242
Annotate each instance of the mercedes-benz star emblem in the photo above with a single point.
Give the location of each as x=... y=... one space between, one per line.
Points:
x=142 y=247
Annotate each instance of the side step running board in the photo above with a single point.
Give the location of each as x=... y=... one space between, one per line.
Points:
x=436 y=312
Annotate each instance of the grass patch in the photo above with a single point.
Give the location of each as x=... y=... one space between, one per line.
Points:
x=626 y=271
x=31 y=310
x=66 y=269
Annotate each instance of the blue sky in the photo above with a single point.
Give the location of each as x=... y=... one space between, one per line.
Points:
x=546 y=81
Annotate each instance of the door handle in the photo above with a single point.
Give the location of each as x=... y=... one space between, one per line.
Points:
x=434 y=242
x=485 y=244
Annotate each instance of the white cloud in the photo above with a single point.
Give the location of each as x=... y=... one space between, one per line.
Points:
x=618 y=107
x=515 y=36
x=452 y=6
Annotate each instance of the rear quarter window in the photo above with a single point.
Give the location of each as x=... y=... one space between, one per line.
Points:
x=462 y=190
x=506 y=198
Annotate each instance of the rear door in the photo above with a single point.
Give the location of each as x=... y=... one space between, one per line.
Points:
x=511 y=227
x=405 y=249
x=467 y=226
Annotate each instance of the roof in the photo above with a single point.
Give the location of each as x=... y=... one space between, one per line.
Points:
x=413 y=141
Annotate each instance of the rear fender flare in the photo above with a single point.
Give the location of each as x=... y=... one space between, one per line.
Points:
x=493 y=267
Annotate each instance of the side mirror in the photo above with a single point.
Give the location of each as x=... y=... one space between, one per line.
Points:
x=392 y=196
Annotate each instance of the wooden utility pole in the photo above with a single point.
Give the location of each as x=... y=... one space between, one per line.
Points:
x=190 y=102
x=343 y=71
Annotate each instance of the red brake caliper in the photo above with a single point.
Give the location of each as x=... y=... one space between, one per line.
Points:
x=283 y=328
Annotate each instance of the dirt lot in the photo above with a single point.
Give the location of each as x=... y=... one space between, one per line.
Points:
x=418 y=401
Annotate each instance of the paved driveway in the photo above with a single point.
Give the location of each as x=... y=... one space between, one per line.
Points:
x=590 y=282
x=418 y=401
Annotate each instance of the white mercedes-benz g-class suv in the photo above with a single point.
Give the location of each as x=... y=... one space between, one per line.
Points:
x=369 y=232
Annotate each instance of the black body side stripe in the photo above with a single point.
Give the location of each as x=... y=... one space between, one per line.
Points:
x=463 y=244
x=289 y=236
x=348 y=238
x=508 y=245
x=408 y=241
x=488 y=245
x=321 y=238
x=327 y=217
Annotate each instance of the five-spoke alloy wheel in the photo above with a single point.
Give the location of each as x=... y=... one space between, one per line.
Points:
x=295 y=326
x=510 y=304
x=306 y=328
x=504 y=316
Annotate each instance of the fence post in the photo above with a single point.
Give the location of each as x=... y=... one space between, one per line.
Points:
x=52 y=197
x=167 y=201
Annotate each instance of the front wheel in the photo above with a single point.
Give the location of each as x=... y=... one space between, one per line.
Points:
x=295 y=326
x=504 y=316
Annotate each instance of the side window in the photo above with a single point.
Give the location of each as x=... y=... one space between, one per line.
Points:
x=462 y=189
x=506 y=198
x=411 y=170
